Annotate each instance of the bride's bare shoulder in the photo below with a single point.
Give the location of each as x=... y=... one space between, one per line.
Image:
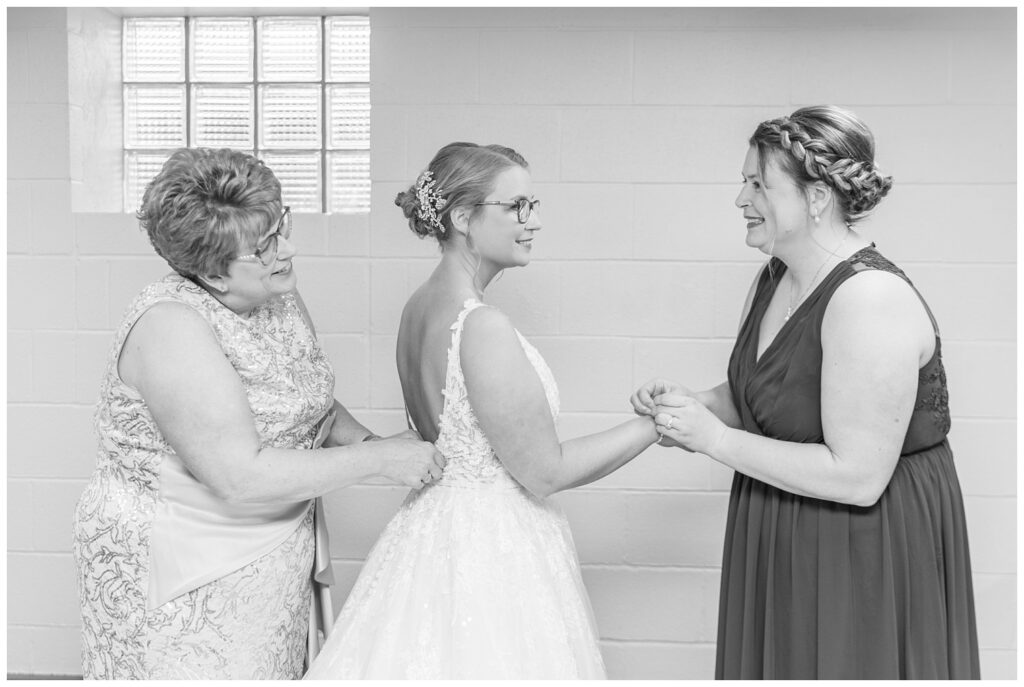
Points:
x=429 y=308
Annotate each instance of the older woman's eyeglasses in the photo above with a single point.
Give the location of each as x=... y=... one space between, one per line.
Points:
x=266 y=253
x=523 y=207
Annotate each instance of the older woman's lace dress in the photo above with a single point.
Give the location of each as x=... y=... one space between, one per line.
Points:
x=174 y=582
x=474 y=577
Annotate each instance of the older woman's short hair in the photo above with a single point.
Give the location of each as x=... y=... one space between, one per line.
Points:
x=207 y=206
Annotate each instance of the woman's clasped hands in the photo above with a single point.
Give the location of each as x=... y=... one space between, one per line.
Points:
x=679 y=416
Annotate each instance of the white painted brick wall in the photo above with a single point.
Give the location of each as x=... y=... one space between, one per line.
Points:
x=996 y=598
x=635 y=123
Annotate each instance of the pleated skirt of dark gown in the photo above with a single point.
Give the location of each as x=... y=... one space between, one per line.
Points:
x=814 y=589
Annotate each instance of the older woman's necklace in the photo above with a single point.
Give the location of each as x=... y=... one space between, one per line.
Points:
x=794 y=303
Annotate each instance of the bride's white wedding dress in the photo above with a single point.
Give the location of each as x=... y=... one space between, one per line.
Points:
x=474 y=577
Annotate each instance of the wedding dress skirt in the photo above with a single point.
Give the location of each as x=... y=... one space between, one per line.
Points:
x=467 y=582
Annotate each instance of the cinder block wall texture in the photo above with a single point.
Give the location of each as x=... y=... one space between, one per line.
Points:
x=635 y=123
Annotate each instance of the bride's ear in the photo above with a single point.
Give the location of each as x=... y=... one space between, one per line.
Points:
x=460 y=219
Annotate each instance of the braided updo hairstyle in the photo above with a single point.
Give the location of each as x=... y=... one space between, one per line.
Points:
x=828 y=144
x=462 y=174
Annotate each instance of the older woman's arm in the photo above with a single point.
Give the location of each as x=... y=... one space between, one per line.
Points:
x=875 y=337
x=197 y=400
x=346 y=429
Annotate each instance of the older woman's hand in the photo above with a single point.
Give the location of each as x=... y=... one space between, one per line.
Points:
x=643 y=399
x=683 y=420
x=409 y=461
x=406 y=434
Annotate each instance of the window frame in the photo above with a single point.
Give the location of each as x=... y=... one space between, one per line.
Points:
x=323 y=152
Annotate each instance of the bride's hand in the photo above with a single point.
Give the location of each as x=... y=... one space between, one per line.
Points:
x=643 y=398
x=667 y=441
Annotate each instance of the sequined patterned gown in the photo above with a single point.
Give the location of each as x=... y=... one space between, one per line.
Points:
x=814 y=589
x=173 y=582
x=474 y=577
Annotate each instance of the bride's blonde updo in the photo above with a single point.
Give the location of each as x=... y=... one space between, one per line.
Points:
x=828 y=144
x=461 y=174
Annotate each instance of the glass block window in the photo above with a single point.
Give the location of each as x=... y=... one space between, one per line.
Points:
x=294 y=91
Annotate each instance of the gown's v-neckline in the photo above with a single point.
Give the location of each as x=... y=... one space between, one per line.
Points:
x=805 y=302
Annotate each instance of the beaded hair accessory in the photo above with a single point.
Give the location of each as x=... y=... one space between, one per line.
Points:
x=430 y=201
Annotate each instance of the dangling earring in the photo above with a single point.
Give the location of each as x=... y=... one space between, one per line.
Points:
x=816 y=219
x=479 y=261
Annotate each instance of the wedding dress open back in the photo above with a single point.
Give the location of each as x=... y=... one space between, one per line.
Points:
x=474 y=577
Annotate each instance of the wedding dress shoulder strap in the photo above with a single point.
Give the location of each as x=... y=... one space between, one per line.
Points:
x=468 y=306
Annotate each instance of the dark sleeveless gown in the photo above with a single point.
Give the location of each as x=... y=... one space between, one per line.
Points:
x=814 y=589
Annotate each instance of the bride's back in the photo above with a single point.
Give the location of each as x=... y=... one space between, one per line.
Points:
x=424 y=337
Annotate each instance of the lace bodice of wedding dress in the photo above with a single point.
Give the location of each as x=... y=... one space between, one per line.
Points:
x=471 y=460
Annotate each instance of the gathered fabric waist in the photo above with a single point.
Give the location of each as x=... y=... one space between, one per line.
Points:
x=942 y=443
x=497 y=485
x=198 y=537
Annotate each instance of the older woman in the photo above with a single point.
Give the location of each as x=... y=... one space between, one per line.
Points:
x=194 y=539
x=846 y=547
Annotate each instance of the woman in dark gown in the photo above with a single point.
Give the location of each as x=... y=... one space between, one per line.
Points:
x=846 y=545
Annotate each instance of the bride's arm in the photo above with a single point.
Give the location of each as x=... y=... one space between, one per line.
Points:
x=509 y=402
x=589 y=458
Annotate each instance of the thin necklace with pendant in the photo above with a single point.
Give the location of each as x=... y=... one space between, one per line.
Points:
x=794 y=303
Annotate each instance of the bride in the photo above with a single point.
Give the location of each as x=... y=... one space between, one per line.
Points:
x=477 y=575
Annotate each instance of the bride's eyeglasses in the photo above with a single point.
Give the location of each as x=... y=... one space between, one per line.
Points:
x=267 y=253
x=523 y=207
